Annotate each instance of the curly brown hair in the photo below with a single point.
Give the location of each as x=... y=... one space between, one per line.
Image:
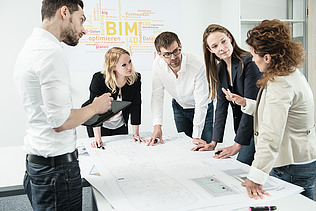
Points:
x=274 y=37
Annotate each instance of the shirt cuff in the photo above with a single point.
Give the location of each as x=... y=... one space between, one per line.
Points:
x=57 y=118
x=197 y=132
x=257 y=176
x=157 y=122
x=249 y=108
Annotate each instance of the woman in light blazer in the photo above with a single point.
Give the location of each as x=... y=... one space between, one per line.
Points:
x=284 y=125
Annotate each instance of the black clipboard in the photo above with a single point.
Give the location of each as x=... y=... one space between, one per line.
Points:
x=98 y=119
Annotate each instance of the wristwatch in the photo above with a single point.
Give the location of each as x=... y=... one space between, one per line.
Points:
x=135 y=134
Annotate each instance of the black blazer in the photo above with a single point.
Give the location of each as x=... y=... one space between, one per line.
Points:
x=244 y=84
x=130 y=93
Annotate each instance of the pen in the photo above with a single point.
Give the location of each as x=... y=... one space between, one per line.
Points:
x=198 y=148
x=263 y=208
x=230 y=94
x=218 y=152
x=240 y=179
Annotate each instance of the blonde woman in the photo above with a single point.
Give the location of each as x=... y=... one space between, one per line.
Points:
x=118 y=78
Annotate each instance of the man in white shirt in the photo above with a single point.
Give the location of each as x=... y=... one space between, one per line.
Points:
x=184 y=77
x=52 y=180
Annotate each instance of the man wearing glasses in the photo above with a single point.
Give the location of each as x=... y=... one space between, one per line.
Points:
x=183 y=75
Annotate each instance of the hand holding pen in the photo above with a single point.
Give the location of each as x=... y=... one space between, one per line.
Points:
x=97 y=143
x=226 y=152
x=138 y=138
x=234 y=98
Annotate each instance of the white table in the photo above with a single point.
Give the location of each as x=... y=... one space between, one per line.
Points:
x=12 y=164
x=296 y=203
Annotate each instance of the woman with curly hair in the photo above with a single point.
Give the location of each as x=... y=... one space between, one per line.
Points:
x=284 y=126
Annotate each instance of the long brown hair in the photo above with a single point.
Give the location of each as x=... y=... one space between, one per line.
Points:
x=274 y=37
x=111 y=59
x=211 y=59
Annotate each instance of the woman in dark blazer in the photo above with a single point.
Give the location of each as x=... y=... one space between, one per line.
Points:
x=231 y=68
x=118 y=78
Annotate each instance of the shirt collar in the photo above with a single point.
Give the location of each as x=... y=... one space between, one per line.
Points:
x=183 y=63
x=44 y=33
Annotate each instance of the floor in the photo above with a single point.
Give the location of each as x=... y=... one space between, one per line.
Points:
x=21 y=203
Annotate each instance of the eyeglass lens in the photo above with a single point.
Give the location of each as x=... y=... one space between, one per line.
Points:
x=176 y=52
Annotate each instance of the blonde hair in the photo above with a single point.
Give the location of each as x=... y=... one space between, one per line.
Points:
x=111 y=58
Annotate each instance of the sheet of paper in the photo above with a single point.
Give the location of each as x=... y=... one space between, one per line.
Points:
x=170 y=176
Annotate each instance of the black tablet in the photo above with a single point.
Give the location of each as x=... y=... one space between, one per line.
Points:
x=98 y=119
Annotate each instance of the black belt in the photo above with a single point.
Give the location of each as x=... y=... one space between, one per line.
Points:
x=65 y=158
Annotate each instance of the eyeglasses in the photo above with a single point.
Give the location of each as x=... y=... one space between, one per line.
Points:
x=176 y=52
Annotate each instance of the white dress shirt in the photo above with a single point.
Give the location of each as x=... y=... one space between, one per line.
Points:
x=42 y=78
x=190 y=89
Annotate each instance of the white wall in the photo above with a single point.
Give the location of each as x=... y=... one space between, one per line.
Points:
x=312 y=49
x=18 y=19
x=18 y=25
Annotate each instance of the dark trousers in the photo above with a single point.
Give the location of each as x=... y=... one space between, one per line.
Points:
x=303 y=175
x=108 y=132
x=246 y=153
x=184 y=121
x=55 y=187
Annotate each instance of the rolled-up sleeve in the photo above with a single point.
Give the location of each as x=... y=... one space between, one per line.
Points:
x=55 y=88
x=157 y=96
x=250 y=107
x=201 y=102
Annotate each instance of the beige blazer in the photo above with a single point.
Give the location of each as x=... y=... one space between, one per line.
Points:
x=284 y=125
